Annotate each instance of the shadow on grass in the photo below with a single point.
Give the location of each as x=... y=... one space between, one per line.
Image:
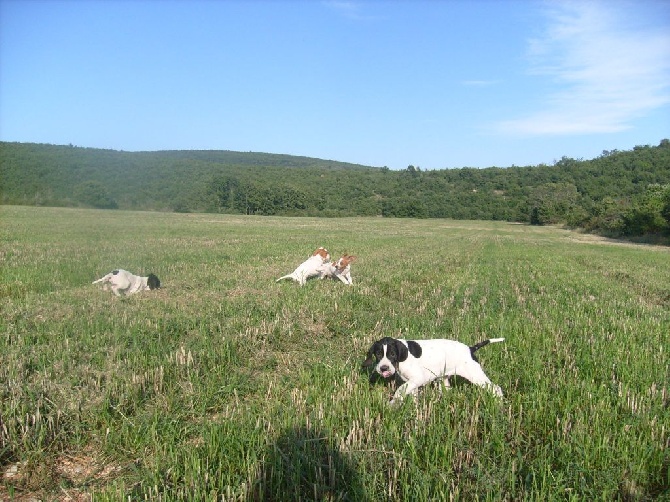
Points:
x=303 y=464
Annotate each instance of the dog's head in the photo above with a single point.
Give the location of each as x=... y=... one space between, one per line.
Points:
x=153 y=282
x=388 y=353
x=345 y=261
x=323 y=253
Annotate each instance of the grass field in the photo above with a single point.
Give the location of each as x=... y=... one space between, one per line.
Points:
x=224 y=385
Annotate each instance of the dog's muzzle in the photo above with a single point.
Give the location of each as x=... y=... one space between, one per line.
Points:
x=386 y=370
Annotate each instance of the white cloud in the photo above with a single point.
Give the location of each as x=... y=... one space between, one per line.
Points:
x=609 y=71
x=348 y=9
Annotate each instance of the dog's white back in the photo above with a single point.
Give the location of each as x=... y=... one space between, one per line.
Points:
x=439 y=358
x=311 y=267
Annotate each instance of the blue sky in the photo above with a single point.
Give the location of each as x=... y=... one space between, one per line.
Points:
x=435 y=84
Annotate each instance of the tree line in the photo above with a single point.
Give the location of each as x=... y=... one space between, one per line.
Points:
x=619 y=193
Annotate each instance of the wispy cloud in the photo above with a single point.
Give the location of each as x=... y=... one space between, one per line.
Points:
x=348 y=9
x=608 y=71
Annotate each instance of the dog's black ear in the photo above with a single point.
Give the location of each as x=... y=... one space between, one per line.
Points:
x=371 y=355
x=153 y=282
x=414 y=348
x=401 y=350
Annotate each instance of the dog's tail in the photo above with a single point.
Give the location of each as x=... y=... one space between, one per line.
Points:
x=479 y=345
x=289 y=276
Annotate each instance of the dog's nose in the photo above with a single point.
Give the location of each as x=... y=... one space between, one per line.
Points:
x=384 y=368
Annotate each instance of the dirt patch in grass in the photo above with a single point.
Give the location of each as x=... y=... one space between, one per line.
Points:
x=74 y=474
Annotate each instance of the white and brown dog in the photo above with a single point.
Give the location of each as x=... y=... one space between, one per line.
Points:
x=311 y=267
x=419 y=362
x=123 y=282
x=340 y=269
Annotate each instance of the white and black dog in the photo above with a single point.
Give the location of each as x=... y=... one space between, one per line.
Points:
x=419 y=362
x=123 y=282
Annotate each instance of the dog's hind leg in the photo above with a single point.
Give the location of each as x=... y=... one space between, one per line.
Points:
x=474 y=373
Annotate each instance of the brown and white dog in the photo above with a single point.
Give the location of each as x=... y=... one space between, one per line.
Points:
x=340 y=269
x=311 y=267
x=123 y=282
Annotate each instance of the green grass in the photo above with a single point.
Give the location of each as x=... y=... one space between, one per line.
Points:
x=225 y=385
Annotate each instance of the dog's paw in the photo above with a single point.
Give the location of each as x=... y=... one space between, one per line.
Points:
x=497 y=391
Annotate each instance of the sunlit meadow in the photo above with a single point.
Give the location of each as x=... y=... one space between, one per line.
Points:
x=225 y=385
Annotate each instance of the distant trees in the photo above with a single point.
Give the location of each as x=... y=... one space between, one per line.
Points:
x=619 y=193
x=404 y=207
x=646 y=213
x=606 y=217
x=94 y=194
x=553 y=203
x=226 y=193
x=255 y=197
x=262 y=199
x=649 y=213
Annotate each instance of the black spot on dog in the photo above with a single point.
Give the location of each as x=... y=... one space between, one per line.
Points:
x=398 y=351
x=414 y=348
x=153 y=282
x=114 y=272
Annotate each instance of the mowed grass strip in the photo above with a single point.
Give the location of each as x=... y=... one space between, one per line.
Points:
x=224 y=385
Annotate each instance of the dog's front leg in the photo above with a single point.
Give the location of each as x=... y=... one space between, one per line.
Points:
x=408 y=388
x=343 y=279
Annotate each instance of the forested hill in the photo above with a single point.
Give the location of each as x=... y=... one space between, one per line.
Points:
x=620 y=192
